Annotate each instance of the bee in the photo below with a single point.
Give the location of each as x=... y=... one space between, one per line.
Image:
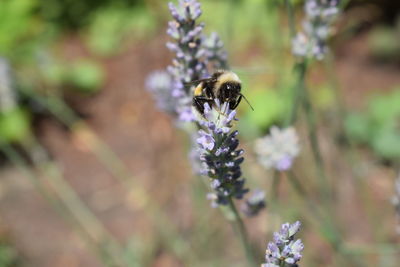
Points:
x=223 y=85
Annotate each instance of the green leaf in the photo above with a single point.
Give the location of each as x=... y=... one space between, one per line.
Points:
x=387 y=144
x=357 y=127
x=86 y=76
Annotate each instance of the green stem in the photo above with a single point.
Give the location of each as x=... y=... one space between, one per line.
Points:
x=241 y=230
x=118 y=169
x=315 y=146
x=275 y=186
x=326 y=225
x=105 y=246
x=297 y=92
x=291 y=18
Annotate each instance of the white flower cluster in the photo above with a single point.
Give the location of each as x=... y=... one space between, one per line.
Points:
x=320 y=15
x=278 y=149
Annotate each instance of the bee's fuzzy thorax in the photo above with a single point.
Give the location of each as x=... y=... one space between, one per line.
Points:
x=227 y=76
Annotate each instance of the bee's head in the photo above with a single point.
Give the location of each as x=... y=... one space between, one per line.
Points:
x=232 y=87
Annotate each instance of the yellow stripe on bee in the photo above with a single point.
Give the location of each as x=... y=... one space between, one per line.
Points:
x=199 y=90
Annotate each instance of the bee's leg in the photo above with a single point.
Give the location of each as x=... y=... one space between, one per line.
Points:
x=199 y=101
x=234 y=104
x=209 y=92
x=199 y=105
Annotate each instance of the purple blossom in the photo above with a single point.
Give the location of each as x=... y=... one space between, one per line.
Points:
x=284 y=250
x=278 y=149
x=320 y=15
x=215 y=51
x=254 y=204
x=189 y=63
x=159 y=83
x=284 y=163
x=193 y=53
x=218 y=147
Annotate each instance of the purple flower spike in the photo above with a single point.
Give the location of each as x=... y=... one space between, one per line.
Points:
x=284 y=251
x=320 y=15
x=193 y=53
x=218 y=151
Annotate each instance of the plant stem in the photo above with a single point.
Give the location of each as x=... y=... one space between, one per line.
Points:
x=291 y=18
x=75 y=212
x=315 y=147
x=179 y=246
x=241 y=230
x=326 y=225
x=297 y=92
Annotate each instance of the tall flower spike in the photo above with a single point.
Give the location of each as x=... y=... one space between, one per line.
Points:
x=219 y=154
x=193 y=54
x=320 y=15
x=284 y=250
x=278 y=149
x=190 y=62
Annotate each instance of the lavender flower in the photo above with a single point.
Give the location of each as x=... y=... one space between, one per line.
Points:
x=219 y=154
x=396 y=202
x=193 y=53
x=320 y=15
x=278 y=149
x=190 y=62
x=215 y=52
x=254 y=204
x=284 y=251
x=159 y=83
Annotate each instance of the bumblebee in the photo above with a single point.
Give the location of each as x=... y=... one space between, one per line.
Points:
x=223 y=85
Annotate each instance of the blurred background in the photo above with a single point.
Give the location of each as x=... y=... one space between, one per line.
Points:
x=92 y=174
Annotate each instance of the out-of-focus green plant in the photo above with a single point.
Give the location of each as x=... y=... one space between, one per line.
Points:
x=8 y=255
x=18 y=27
x=384 y=42
x=110 y=25
x=14 y=125
x=379 y=126
x=233 y=19
x=82 y=75
x=73 y=14
x=86 y=76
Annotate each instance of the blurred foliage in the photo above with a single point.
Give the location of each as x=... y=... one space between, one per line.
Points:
x=83 y=75
x=14 y=125
x=73 y=14
x=259 y=15
x=379 y=126
x=384 y=42
x=18 y=27
x=111 y=24
x=8 y=257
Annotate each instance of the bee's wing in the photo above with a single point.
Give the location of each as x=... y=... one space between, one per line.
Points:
x=198 y=81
